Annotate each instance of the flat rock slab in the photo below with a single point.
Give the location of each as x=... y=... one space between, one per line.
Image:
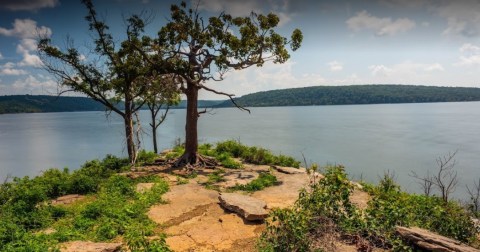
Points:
x=431 y=241
x=213 y=230
x=286 y=193
x=67 y=199
x=289 y=170
x=181 y=200
x=84 y=246
x=248 y=207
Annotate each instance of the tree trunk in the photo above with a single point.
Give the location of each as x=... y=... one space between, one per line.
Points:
x=191 y=140
x=154 y=128
x=128 y=119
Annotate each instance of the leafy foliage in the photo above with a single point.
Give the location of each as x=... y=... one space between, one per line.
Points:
x=115 y=210
x=327 y=201
x=265 y=179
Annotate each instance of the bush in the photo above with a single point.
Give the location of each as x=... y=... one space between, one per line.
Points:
x=115 y=208
x=328 y=200
x=265 y=179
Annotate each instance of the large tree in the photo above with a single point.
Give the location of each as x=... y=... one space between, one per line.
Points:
x=115 y=74
x=199 y=50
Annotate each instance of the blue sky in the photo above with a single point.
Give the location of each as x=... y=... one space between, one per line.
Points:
x=345 y=42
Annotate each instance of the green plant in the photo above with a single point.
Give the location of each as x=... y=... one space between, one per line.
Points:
x=265 y=179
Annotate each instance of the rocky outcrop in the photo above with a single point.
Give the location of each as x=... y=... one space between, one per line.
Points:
x=289 y=170
x=85 y=246
x=181 y=200
x=429 y=241
x=67 y=199
x=248 y=207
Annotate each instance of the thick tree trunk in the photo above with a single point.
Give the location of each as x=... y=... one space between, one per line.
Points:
x=191 y=137
x=128 y=119
x=154 y=129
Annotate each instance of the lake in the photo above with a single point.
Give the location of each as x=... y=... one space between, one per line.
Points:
x=367 y=139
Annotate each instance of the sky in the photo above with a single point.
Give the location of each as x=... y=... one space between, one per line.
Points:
x=420 y=42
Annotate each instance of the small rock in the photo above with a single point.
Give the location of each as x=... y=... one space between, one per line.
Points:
x=143 y=187
x=248 y=207
x=67 y=199
x=166 y=151
x=289 y=170
x=85 y=246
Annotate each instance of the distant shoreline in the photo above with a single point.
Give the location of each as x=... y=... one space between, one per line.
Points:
x=307 y=96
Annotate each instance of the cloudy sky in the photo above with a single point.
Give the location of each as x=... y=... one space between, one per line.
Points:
x=345 y=42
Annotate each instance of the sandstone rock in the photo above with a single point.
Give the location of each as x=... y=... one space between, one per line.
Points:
x=67 y=199
x=431 y=241
x=286 y=193
x=289 y=170
x=248 y=207
x=181 y=200
x=85 y=246
x=212 y=230
x=144 y=187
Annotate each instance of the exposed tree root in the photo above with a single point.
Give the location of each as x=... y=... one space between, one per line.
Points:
x=194 y=161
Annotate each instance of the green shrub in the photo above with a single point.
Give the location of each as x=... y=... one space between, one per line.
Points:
x=146 y=157
x=265 y=179
x=328 y=200
x=115 y=208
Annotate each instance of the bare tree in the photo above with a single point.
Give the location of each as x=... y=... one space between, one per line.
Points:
x=445 y=180
x=425 y=182
x=474 y=194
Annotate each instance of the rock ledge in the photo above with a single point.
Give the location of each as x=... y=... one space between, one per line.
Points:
x=248 y=207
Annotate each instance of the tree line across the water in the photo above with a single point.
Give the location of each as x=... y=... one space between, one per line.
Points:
x=10 y=104
x=319 y=95
x=357 y=94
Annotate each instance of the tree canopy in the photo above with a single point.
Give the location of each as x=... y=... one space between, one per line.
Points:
x=198 y=50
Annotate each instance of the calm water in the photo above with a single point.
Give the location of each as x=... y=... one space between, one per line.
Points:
x=367 y=139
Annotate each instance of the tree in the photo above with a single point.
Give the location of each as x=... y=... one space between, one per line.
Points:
x=162 y=93
x=445 y=180
x=198 y=50
x=117 y=74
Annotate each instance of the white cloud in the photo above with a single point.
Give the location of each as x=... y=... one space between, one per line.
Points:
x=335 y=66
x=381 y=26
x=407 y=72
x=433 y=67
x=9 y=69
x=1 y=56
x=25 y=48
x=380 y=70
x=469 y=48
x=463 y=17
x=27 y=5
x=26 y=29
x=470 y=55
x=34 y=85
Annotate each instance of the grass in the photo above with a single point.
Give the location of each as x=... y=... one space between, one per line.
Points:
x=225 y=152
x=264 y=180
x=112 y=209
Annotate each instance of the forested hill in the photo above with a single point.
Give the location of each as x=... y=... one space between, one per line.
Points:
x=47 y=103
x=356 y=94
